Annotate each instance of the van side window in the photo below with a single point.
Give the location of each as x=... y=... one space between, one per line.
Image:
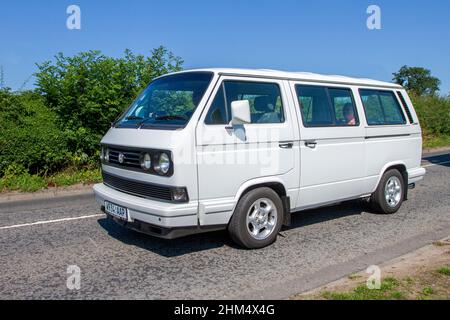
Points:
x=218 y=113
x=405 y=106
x=265 y=102
x=381 y=107
x=326 y=107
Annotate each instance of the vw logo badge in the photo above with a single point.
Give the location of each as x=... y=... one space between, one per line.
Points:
x=120 y=157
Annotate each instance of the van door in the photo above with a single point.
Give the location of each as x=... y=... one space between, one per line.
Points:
x=230 y=157
x=331 y=143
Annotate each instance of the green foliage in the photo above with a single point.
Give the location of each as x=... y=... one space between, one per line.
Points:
x=417 y=80
x=427 y=291
x=16 y=177
x=434 y=114
x=60 y=124
x=444 y=271
x=388 y=291
x=89 y=90
x=30 y=135
x=75 y=175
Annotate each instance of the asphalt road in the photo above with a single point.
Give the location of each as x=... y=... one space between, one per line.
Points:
x=321 y=246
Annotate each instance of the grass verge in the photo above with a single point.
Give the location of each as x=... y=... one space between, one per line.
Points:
x=25 y=182
x=423 y=274
x=389 y=290
x=431 y=285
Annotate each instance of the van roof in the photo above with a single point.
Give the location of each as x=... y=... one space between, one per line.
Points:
x=303 y=76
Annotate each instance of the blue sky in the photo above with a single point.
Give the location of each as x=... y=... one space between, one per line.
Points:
x=317 y=36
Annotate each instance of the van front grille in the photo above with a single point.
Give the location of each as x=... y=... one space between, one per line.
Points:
x=137 y=188
x=130 y=158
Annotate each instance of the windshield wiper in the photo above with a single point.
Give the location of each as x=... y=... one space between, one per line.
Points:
x=172 y=117
x=133 y=118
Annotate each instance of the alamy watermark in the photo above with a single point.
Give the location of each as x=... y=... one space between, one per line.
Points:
x=73 y=21
x=74 y=280
x=374 y=20
x=374 y=280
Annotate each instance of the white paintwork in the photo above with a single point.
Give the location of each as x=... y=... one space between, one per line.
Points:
x=343 y=165
x=240 y=112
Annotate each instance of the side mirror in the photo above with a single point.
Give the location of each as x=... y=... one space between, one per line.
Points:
x=240 y=112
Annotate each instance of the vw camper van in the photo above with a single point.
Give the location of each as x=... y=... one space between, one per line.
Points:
x=242 y=150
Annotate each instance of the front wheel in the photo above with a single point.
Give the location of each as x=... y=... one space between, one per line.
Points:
x=390 y=192
x=257 y=219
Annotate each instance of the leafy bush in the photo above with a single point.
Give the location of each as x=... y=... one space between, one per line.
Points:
x=75 y=175
x=30 y=137
x=60 y=124
x=434 y=114
x=16 y=177
x=89 y=90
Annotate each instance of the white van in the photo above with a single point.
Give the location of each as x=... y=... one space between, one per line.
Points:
x=241 y=150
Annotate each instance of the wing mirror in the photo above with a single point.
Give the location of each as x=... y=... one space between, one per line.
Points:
x=240 y=112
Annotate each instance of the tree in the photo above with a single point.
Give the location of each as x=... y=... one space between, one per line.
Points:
x=417 y=80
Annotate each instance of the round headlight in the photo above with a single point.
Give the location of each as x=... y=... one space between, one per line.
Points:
x=146 y=162
x=106 y=156
x=163 y=165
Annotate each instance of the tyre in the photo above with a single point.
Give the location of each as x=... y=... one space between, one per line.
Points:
x=257 y=219
x=390 y=193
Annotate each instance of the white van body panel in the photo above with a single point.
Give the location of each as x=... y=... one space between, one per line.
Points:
x=239 y=157
x=346 y=163
x=332 y=170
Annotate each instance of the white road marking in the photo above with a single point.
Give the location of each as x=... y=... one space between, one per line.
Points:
x=50 y=221
x=435 y=164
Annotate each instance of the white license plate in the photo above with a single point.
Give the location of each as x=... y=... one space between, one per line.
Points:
x=116 y=211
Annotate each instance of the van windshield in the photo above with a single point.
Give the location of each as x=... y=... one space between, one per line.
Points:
x=168 y=102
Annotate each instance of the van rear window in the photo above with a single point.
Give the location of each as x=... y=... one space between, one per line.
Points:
x=381 y=107
x=325 y=107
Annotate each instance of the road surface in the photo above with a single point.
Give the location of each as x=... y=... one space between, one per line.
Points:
x=40 y=239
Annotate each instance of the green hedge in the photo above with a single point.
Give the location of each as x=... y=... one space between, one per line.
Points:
x=433 y=113
x=30 y=135
x=89 y=90
x=60 y=124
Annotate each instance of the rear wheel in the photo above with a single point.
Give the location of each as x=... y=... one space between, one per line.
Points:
x=389 y=195
x=257 y=219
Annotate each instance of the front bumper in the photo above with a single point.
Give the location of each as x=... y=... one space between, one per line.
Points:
x=158 y=213
x=162 y=232
x=159 y=219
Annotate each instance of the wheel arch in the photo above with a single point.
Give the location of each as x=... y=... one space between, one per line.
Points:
x=273 y=183
x=401 y=167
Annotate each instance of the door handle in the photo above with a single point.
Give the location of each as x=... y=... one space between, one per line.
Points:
x=286 y=145
x=311 y=144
